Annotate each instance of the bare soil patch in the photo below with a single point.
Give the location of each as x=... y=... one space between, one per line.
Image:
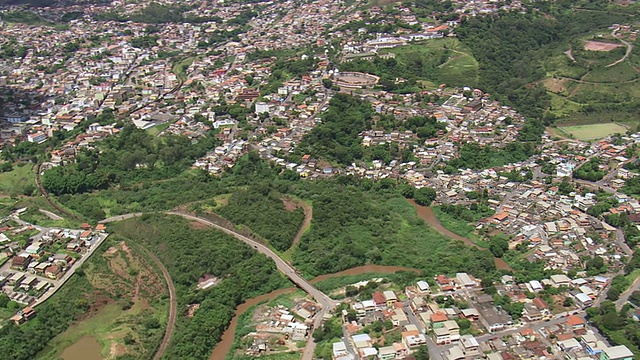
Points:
x=198 y=225
x=116 y=350
x=600 y=46
x=555 y=85
x=289 y=204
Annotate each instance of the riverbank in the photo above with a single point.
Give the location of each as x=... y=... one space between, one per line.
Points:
x=226 y=343
x=426 y=214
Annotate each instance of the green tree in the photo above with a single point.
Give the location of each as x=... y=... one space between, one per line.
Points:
x=424 y=196
x=422 y=353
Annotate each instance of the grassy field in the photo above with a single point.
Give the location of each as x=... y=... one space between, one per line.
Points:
x=459 y=68
x=180 y=67
x=594 y=131
x=632 y=276
x=156 y=130
x=615 y=74
x=18 y=181
x=561 y=106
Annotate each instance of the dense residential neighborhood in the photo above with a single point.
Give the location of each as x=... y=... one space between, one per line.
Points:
x=287 y=82
x=35 y=268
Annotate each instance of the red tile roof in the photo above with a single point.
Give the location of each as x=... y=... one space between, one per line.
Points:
x=574 y=320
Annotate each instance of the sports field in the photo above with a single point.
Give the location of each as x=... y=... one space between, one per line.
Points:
x=594 y=131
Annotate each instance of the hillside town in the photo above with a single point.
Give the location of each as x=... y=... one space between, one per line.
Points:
x=568 y=207
x=453 y=316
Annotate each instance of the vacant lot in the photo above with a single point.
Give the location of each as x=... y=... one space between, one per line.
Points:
x=19 y=181
x=600 y=46
x=594 y=131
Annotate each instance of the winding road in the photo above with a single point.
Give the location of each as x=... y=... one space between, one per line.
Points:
x=324 y=300
x=626 y=54
x=173 y=305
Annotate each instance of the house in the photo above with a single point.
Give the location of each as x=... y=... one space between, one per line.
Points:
x=575 y=322
x=498 y=218
x=471 y=314
x=15 y=278
x=424 y=287
x=531 y=312
x=390 y=298
x=442 y=336
x=620 y=352
x=465 y=280
x=560 y=280
x=20 y=262
x=387 y=353
x=28 y=282
x=37 y=137
x=34 y=249
x=379 y=300
x=592 y=344
x=453 y=329
x=23 y=315
x=492 y=318
x=53 y=272
x=399 y=318
x=583 y=300
x=438 y=319
x=339 y=349
x=60 y=258
x=469 y=345
x=444 y=283
x=412 y=338
x=362 y=340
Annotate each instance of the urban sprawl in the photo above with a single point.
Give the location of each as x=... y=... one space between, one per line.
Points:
x=542 y=206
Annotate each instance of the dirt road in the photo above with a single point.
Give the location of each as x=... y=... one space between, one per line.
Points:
x=173 y=306
x=308 y=216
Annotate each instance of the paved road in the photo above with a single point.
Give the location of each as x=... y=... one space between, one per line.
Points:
x=435 y=351
x=626 y=54
x=327 y=303
x=70 y=272
x=624 y=297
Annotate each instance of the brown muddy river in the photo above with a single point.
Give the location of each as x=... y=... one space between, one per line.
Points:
x=223 y=347
x=86 y=348
x=426 y=214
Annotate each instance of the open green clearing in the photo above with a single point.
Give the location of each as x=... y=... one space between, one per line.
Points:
x=265 y=213
x=155 y=130
x=460 y=67
x=586 y=89
x=593 y=131
x=433 y=61
x=132 y=318
x=459 y=227
x=19 y=181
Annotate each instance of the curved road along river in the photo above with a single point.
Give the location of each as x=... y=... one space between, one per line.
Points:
x=327 y=303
